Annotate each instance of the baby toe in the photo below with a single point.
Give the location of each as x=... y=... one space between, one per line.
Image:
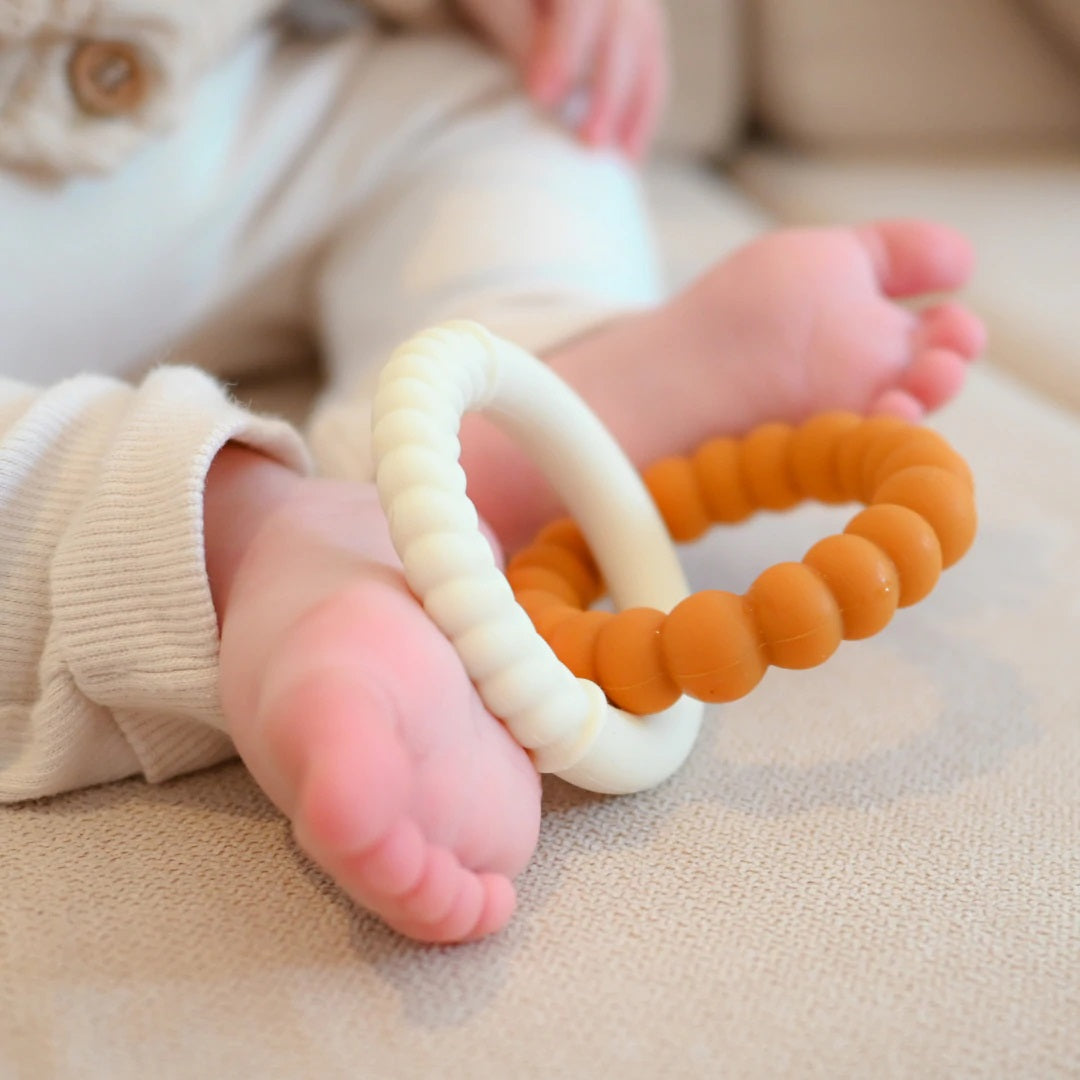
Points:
x=446 y=903
x=431 y=900
x=934 y=377
x=911 y=257
x=952 y=326
x=483 y=905
x=500 y=900
x=899 y=403
x=461 y=916
x=390 y=868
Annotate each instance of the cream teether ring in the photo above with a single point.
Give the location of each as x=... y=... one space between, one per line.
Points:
x=565 y=722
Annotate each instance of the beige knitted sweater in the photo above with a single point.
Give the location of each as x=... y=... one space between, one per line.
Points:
x=108 y=636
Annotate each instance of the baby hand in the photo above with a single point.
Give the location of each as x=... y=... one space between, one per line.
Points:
x=610 y=52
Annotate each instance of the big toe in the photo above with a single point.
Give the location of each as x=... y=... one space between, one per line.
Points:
x=912 y=257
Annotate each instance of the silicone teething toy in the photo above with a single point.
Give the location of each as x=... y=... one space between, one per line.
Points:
x=569 y=683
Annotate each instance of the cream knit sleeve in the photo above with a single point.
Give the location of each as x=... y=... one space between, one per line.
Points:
x=108 y=636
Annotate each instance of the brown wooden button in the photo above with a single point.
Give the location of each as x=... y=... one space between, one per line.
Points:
x=108 y=78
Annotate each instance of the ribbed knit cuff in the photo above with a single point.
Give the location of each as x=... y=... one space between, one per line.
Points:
x=131 y=599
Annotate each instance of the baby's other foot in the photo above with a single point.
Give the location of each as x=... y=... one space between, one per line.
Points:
x=807 y=320
x=797 y=322
x=355 y=715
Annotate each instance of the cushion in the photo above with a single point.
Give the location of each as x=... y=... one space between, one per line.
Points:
x=876 y=73
x=1061 y=18
x=706 y=110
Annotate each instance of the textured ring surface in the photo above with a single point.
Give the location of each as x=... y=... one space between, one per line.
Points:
x=565 y=722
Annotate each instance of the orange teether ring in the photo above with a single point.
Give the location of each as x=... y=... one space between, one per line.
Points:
x=715 y=646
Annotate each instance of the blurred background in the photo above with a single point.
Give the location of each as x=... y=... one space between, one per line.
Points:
x=806 y=111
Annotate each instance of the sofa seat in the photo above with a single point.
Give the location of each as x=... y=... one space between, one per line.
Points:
x=868 y=869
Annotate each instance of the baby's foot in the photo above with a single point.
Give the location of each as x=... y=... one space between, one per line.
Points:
x=797 y=322
x=355 y=715
x=807 y=321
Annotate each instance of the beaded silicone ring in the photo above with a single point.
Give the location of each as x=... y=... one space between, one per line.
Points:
x=714 y=645
x=613 y=702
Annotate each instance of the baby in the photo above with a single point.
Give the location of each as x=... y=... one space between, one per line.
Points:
x=174 y=580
